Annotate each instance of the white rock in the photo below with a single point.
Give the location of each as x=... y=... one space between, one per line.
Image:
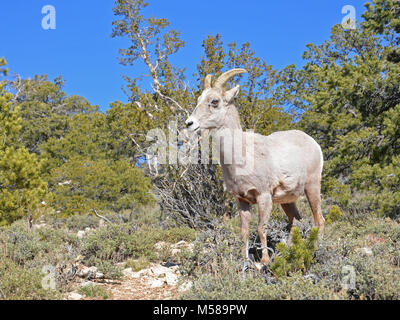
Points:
x=174 y=252
x=160 y=270
x=93 y=269
x=180 y=244
x=171 y=279
x=156 y=283
x=127 y=272
x=75 y=296
x=80 y=234
x=79 y=258
x=87 y=229
x=185 y=286
x=130 y=274
x=83 y=273
x=99 y=275
x=65 y=183
x=38 y=226
x=174 y=269
x=87 y=283
x=365 y=251
x=160 y=245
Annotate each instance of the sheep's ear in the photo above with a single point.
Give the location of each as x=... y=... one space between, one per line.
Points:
x=232 y=94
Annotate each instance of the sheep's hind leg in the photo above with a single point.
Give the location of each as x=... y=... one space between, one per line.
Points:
x=264 y=211
x=294 y=216
x=245 y=216
x=313 y=194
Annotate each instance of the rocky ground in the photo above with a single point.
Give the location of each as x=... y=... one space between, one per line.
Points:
x=156 y=282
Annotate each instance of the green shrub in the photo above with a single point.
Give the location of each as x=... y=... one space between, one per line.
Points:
x=298 y=256
x=35 y=248
x=19 y=283
x=113 y=242
x=81 y=222
x=298 y=287
x=107 y=267
x=94 y=291
x=21 y=245
x=177 y=234
x=375 y=278
x=334 y=214
x=138 y=264
x=146 y=216
x=118 y=242
x=232 y=285
x=227 y=284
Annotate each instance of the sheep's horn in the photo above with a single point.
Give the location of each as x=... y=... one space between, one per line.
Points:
x=207 y=82
x=223 y=78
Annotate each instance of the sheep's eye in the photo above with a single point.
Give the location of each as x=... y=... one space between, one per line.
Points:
x=214 y=103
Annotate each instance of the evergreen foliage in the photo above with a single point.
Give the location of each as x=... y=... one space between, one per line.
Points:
x=21 y=186
x=298 y=256
x=347 y=97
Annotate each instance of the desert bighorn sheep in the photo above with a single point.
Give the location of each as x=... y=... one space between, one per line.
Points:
x=278 y=168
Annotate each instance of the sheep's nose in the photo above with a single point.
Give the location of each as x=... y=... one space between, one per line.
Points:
x=189 y=123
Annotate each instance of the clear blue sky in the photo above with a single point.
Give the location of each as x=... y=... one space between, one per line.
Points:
x=82 y=51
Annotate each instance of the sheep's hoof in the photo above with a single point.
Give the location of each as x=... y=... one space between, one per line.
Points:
x=263 y=263
x=259 y=266
x=321 y=231
x=246 y=266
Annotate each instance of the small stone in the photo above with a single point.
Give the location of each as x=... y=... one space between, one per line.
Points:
x=75 y=296
x=156 y=283
x=160 y=245
x=175 y=269
x=93 y=269
x=87 y=283
x=128 y=273
x=258 y=266
x=185 y=286
x=365 y=251
x=39 y=226
x=79 y=258
x=160 y=270
x=181 y=244
x=80 y=234
x=171 y=279
x=99 y=275
x=174 y=252
x=83 y=273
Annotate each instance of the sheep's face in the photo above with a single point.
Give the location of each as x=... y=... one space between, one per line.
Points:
x=211 y=109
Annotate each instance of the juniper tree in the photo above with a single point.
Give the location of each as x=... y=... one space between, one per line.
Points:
x=348 y=97
x=21 y=187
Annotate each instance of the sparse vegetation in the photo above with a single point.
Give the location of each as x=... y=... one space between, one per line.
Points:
x=93 y=291
x=78 y=189
x=296 y=257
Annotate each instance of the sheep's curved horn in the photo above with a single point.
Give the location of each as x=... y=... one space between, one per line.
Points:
x=207 y=82
x=223 y=78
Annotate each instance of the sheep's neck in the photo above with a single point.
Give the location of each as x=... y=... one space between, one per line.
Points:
x=231 y=130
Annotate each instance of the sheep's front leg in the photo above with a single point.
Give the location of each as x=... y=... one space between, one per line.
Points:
x=264 y=211
x=245 y=217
